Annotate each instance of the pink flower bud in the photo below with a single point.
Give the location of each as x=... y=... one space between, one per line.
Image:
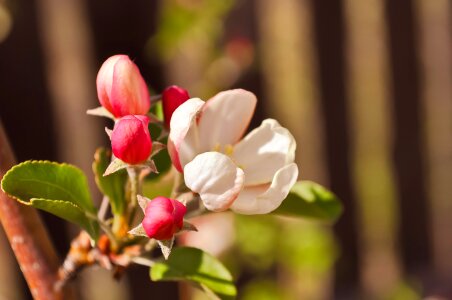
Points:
x=163 y=217
x=121 y=88
x=172 y=97
x=130 y=139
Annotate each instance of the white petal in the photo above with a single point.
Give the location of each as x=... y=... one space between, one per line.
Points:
x=225 y=118
x=216 y=179
x=184 y=118
x=266 y=198
x=264 y=151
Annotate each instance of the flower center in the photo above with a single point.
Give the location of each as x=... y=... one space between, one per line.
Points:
x=227 y=149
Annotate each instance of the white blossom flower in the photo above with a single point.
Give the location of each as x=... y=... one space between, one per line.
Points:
x=252 y=175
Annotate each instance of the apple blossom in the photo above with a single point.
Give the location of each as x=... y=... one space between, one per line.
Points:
x=252 y=175
x=163 y=217
x=172 y=97
x=130 y=139
x=121 y=89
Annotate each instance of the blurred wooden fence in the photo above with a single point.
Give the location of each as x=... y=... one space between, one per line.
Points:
x=364 y=85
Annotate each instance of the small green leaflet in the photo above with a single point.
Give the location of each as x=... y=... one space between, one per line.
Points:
x=60 y=189
x=113 y=185
x=308 y=199
x=199 y=267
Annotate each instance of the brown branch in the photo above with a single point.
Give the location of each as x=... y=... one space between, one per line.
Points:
x=28 y=238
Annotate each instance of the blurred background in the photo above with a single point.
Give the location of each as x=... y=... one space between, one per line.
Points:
x=365 y=87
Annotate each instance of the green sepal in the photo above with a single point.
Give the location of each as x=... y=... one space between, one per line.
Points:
x=166 y=246
x=100 y=112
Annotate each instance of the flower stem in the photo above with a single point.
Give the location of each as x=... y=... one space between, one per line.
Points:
x=134 y=190
x=106 y=228
x=179 y=186
x=177 y=182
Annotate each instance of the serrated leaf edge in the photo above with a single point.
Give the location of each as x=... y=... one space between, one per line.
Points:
x=32 y=162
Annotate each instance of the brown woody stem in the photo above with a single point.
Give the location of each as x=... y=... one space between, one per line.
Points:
x=28 y=238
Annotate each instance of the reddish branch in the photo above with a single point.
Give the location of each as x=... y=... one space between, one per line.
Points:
x=28 y=238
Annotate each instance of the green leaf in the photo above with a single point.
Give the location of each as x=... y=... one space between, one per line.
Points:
x=161 y=159
x=162 y=162
x=311 y=200
x=161 y=186
x=155 y=130
x=48 y=180
x=113 y=185
x=68 y=211
x=43 y=180
x=198 y=267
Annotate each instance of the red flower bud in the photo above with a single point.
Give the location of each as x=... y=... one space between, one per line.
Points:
x=172 y=97
x=163 y=217
x=121 y=88
x=130 y=139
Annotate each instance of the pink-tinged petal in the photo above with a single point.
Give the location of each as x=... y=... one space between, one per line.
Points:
x=266 y=198
x=215 y=233
x=184 y=117
x=129 y=92
x=163 y=217
x=264 y=151
x=216 y=179
x=179 y=211
x=225 y=118
x=121 y=88
x=104 y=81
x=172 y=97
x=130 y=139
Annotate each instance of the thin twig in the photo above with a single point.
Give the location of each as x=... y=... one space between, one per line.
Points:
x=106 y=228
x=103 y=208
x=155 y=99
x=143 y=261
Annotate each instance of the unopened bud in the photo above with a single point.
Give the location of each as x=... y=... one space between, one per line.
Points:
x=121 y=88
x=130 y=139
x=163 y=217
x=172 y=97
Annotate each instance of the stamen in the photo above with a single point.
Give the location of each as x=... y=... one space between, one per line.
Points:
x=229 y=150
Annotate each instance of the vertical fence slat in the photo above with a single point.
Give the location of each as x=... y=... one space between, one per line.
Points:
x=414 y=232
x=436 y=47
x=290 y=84
x=370 y=115
x=330 y=39
x=288 y=70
